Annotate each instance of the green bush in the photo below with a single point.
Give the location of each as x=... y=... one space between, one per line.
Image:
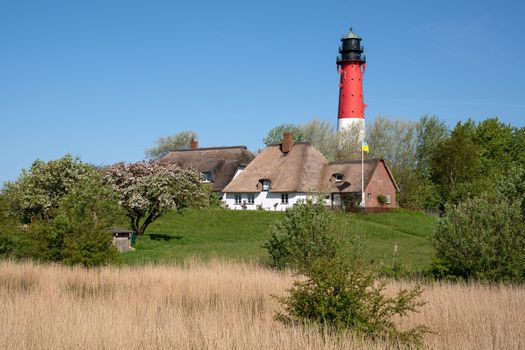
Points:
x=305 y=233
x=40 y=241
x=482 y=238
x=340 y=294
x=74 y=231
x=7 y=245
x=90 y=248
x=337 y=291
x=351 y=200
x=381 y=198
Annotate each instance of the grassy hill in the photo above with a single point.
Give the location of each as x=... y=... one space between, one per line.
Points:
x=238 y=235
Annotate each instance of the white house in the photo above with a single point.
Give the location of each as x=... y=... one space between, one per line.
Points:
x=282 y=174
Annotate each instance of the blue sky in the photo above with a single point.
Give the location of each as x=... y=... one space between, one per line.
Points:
x=105 y=79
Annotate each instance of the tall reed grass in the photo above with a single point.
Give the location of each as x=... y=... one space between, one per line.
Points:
x=219 y=305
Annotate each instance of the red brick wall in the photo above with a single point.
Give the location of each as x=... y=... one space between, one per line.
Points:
x=380 y=184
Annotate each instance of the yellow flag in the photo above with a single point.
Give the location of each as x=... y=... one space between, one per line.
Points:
x=364 y=147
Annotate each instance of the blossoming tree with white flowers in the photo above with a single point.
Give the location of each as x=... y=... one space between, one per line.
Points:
x=148 y=190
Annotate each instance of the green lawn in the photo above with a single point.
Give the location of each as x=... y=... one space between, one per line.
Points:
x=238 y=235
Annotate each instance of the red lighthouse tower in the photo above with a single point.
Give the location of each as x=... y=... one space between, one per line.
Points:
x=351 y=66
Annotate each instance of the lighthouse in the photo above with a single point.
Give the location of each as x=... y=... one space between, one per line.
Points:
x=351 y=65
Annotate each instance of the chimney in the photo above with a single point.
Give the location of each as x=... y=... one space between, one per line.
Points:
x=287 y=144
x=194 y=144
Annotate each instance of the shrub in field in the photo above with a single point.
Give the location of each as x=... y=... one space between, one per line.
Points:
x=305 y=233
x=340 y=294
x=85 y=216
x=337 y=291
x=7 y=245
x=40 y=240
x=56 y=242
x=90 y=248
x=481 y=238
x=63 y=219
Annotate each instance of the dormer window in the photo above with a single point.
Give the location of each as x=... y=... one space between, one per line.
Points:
x=266 y=185
x=207 y=177
x=339 y=177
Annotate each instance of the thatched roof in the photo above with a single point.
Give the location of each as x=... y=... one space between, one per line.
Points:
x=351 y=171
x=222 y=162
x=304 y=169
x=299 y=170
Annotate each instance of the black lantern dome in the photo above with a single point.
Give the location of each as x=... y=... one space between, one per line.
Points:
x=351 y=49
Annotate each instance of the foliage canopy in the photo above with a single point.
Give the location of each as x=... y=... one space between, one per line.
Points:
x=481 y=238
x=166 y=144
x=148 y=190
x=60 y=211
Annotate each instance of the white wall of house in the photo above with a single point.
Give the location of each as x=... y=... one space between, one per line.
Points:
x=239 y=171
x=268 y=200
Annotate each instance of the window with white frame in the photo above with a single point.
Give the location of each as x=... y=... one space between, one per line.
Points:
x=251 y=198
x=207 y=177
x=369 y=195
x=238 y=199
x=266 y=185
x=338 y=177
x=284 y=198
x=388 y=198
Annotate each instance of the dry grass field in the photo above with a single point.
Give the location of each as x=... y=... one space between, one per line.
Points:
x=218 y=306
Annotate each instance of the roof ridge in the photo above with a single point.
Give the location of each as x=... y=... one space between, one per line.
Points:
x=355 y=161
x=295 y=143
x=209 y=148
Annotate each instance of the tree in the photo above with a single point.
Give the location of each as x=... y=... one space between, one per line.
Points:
x=395 y=141
x=275 y=134
x=495 y=140
x=347 y=143
x=37 y=192
x=90 y=203
x=481 y=238
x=511 y=184
x=430 y=132
x=75 y=228
x=84 y=218
x=332 y=144
x=518 y=148
x=148 y=190
x=166 y=144
x=456 y=164
x=322 y=136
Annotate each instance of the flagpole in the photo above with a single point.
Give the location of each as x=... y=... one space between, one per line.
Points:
x=362 y=175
